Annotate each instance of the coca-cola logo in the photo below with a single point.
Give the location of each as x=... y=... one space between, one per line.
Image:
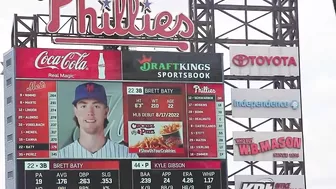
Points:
x=242 y=60
x=70 y=61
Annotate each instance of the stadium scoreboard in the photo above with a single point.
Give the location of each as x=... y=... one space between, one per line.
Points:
x=168 y=108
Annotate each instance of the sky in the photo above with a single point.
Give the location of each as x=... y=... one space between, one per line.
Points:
x=317 y=22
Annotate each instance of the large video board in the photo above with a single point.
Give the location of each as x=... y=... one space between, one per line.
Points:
x=90 y=118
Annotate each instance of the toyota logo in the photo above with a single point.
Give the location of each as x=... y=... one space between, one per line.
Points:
x=240 y=60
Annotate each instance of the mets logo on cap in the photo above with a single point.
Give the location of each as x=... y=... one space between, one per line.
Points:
x=90 y=91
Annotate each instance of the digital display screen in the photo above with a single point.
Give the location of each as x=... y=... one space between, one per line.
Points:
x=110 y=119
x=163 y=120
x=108 y=174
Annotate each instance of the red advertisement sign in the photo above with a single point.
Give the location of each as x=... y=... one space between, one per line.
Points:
x=175 y=120
x=68 y=64
x=164 y=25
x=267 y=146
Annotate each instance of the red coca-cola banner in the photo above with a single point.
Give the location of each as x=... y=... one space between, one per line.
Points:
x=68 y=64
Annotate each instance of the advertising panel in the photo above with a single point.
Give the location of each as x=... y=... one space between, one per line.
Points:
x=75 y=64
x=264 y=61
x=267 y=146
x=269 y=182
x=164 y=67
x=70 y=118
x=266 y=103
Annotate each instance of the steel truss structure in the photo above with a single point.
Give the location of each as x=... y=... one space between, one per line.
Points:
x=284 y=32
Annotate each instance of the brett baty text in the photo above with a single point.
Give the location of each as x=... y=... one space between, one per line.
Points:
x=66 y=165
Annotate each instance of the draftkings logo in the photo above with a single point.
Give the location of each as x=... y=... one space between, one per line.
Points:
x=174 y=69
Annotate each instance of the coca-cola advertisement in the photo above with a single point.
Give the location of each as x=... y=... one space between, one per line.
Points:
x=68 y=64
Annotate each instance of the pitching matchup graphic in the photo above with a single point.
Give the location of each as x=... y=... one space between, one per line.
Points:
x=159 y=27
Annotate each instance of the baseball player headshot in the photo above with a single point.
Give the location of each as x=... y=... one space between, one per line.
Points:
x=91 y=110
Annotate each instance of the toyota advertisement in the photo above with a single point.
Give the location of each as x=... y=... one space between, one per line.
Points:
x=269 y=182
x=267 y=146
x=266 y=103
x=264 y=61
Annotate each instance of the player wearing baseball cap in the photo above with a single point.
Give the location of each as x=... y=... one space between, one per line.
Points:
x=91 y=110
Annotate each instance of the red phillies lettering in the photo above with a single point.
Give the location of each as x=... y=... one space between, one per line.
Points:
x=70 y=61
x=120 y=8
x=55 y=7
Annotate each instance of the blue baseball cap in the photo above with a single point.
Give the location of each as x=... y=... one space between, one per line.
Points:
x=90 y=90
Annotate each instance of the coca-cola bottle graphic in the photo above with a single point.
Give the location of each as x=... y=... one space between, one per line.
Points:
x=101 y=67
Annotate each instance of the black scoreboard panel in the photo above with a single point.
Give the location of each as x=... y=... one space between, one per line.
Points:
x=122 y=174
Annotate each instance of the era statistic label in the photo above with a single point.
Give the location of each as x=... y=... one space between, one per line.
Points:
x=174 y=120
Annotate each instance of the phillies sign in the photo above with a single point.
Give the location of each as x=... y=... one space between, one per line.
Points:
x=164 y=25
x=264 y=61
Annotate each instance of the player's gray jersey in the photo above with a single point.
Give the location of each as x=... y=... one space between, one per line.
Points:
x=110 y=150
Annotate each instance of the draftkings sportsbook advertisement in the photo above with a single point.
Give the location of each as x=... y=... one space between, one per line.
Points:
x=106 y=119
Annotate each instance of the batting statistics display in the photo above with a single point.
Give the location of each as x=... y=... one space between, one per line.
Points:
x=96 y=119
x=107 y=174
